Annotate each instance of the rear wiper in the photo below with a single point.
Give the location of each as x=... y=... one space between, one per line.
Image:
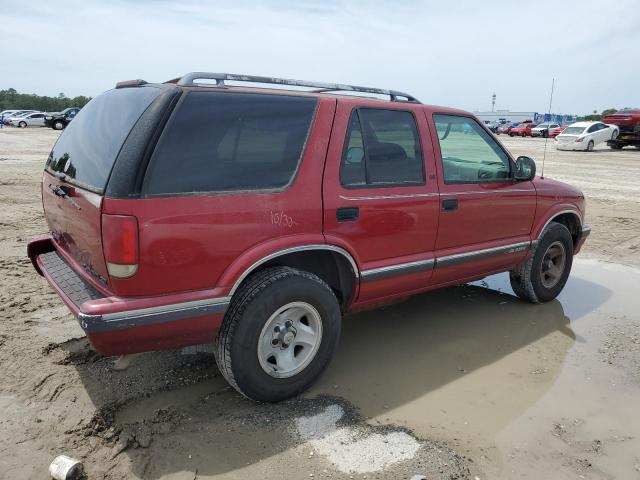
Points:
x=61 y=191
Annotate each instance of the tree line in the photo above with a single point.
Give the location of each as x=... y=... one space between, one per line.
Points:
x=10 y=99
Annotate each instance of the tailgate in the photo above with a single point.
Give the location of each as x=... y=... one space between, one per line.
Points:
x=78 y=170
x=74 y=222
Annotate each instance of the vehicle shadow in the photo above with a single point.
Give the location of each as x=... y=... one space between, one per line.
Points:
x=466 y=357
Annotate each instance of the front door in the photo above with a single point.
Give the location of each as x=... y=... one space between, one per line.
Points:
x=380 y=195
x=485 y=215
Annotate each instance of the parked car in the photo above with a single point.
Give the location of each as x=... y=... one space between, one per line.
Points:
x=628 y=123
x=522 y=130
x=557 y=131
x=506 y=128
x=542 y=130
x=59 y=120
x=28 y=120
x=585 y=135
x=16 y=113
x=256 y=217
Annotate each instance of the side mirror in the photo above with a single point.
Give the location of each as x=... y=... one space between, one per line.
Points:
x=354 y=155
x=525 y=169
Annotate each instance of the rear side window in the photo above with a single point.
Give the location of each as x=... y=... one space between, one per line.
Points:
x=221 y=142
x=382 y=149
x=88 y=147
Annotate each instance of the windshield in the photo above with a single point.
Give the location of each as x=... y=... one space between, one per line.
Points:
x=573 y=130
x=88 y=147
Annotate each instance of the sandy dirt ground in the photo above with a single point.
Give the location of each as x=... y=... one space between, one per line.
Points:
x=466 y=382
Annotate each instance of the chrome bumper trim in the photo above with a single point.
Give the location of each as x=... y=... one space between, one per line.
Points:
x=146 y=316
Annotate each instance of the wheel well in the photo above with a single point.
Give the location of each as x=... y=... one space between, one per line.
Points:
x=330 y=266
x=572 y=222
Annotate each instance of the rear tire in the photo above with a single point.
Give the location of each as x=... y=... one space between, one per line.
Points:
x=590 y=146
x=544 y=274
x=260 y=329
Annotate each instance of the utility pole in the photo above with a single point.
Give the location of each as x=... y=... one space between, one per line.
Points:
x=493 y=101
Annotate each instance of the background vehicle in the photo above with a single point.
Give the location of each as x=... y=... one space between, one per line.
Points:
x=28 y=120
x=557 y=131
x=15 y=114
x=59 y=120
x=628 y=122
x=542 y=130
x=585 y=135
x=506 y=128
x=522 y=130
x=264 y=214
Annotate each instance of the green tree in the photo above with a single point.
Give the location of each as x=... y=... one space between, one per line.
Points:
x=10 y=99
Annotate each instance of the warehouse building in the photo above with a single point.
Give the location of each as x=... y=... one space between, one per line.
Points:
x=506 y=116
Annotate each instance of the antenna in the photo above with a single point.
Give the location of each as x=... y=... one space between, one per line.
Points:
x=544 y=155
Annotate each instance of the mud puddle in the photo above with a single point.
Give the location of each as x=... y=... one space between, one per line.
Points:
x=537 y=391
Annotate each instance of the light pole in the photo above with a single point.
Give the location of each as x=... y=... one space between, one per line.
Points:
x=493 y=101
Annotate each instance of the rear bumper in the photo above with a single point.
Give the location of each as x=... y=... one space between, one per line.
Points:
x=117 y=325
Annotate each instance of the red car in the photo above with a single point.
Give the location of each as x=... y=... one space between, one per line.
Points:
x=522 y=130
x=628 y=122
x=556 y=131
x=255 y=218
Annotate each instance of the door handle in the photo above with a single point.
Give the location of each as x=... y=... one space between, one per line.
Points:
x=449 y=204
x=347 y=214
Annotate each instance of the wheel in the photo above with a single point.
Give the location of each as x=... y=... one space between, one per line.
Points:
x=545 y=134
x=279 y=334
x=22 y=124
x=617 y=146
x=614 y=134
x=590 y=146
x=58 y=125
x=544 y=274
x=510 y=134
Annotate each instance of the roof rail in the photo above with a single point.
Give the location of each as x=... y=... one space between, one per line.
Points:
x=190 y=80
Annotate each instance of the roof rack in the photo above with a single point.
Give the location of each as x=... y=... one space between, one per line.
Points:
x=190 y=80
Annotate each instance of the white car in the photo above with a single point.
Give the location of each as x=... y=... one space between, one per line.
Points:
x=29 y=120
x=7 y=115
x=543 y=129
x=585 y=135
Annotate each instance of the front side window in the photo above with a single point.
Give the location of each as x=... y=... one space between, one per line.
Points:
x=224 y=142
x=382 y=149
x=469 y=153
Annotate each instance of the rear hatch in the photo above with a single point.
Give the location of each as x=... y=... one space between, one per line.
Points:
x=78 y=169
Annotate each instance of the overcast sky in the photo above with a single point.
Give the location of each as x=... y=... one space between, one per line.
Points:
x=454 y=53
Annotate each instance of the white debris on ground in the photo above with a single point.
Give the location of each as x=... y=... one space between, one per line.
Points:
x=351 y=449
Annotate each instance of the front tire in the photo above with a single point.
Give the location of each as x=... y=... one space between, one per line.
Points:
x=58 y=125
x=22 y=125
x=544 y=274
x=279 y=334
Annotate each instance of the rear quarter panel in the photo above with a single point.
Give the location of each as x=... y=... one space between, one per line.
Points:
x=188 y=242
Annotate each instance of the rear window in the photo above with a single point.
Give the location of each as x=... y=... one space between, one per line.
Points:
x=573 y=131
x=221 y=142
x=88 y=147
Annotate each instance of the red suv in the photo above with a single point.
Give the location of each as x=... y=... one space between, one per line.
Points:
x=254 y=218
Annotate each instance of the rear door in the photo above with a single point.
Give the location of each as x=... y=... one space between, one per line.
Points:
x=77 y=170
x=485 y=216
x=381 y=196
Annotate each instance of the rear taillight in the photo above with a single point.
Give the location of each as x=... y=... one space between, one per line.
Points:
x=579 y=139
x=120 y=244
